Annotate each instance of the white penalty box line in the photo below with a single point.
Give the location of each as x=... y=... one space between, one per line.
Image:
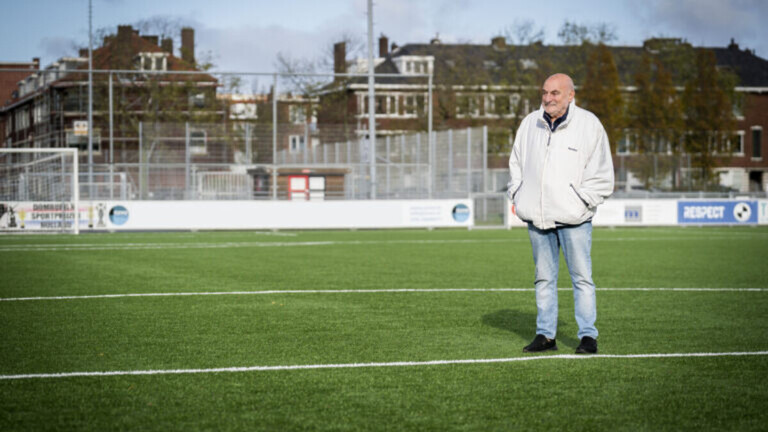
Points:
x=355 y=291
x=379 y=364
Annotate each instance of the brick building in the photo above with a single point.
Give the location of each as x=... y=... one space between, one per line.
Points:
x=497 y=84
x=38 y=109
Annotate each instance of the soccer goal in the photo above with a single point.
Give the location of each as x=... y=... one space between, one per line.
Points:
x=39 y=190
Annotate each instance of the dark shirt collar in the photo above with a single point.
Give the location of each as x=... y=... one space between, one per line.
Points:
x=558 y=121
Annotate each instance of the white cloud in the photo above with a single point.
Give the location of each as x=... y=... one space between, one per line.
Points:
x=708 y=22
x=57 y=47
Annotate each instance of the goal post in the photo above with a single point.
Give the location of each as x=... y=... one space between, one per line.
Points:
x=39 y=190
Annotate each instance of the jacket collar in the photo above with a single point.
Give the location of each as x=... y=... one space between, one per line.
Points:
x=570 y=114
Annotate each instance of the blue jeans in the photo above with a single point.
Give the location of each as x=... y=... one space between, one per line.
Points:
x=576 y=242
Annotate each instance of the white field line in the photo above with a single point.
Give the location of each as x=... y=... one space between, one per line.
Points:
x=227 y=245
x=357 y=291
x=379 y=364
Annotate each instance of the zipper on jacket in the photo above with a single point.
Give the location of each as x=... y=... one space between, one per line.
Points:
x=543 y=171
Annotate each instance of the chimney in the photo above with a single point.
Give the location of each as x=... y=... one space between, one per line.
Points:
x=499 y=43
x=340 y=57
x=383 y=46
x=124 y=33
x=188 y=44
x=167 y=45
x=36 y=61
x=394 y=47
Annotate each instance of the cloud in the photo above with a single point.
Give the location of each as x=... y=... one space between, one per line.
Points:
x=708 y=22
x=56 y=47
x=254 y=48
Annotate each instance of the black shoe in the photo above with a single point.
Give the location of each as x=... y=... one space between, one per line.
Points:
x=541 y=343
x=588 y=345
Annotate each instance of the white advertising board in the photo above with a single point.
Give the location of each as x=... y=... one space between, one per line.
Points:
x=236 y=215
x=622 y=212
x=762 y=206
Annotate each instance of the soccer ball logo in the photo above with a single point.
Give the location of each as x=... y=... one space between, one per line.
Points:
x=742 y=212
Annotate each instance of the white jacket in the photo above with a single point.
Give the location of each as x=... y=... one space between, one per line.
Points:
x=560 y=177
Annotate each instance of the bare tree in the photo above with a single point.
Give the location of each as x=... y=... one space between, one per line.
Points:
x=323 y=63
x=572 y=33
x=523 y=32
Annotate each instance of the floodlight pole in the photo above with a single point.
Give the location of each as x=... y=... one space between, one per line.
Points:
x=111 y=142
x=90 y=99
x=274 y=137
x=371 y=103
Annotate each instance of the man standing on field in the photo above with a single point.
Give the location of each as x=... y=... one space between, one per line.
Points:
x=561 y=170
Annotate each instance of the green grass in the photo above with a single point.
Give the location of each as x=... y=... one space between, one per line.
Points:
x=184 y=332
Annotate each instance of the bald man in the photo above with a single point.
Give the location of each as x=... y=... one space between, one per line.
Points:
x=561 y=170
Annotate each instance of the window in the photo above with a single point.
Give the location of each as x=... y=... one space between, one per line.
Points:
x=296 y=143
x=21 y=119
x=412 y=104
x=738 y=106
x=381 y=104
x=627 y=143
x=411 y=65
x=468 y=105
x=502 y=105
x=153 y=61
x=197 y=100
x=198 y=141
x=40 y=112
x=528 y=64
x=416 y=67
x=81 y=141
x=736 y=143
x=386 y=105
x=297 y=114
x=243 y=111
x=757 y=142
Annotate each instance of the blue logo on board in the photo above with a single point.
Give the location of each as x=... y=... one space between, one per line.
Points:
x=118 y=215
x=460 y=213
x=708 y=212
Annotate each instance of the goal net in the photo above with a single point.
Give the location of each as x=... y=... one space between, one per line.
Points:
x=39 y=190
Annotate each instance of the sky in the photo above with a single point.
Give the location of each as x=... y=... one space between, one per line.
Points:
x=247 y=35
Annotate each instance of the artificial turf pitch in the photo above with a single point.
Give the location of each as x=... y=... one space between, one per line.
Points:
x=394 y=306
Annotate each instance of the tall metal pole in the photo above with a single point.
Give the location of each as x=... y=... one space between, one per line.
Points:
x=90 y=100
x=371 y=103
x=187 y=163
x=429 y=104
x=76 y=190
x=111 y=142
x=274 y=137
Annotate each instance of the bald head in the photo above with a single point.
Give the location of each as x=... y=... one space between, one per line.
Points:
x=556 y=94
x=562 y=78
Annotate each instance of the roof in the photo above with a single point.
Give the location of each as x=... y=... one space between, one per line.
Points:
x=470 y=64
x=118 y=52
x=9 y=81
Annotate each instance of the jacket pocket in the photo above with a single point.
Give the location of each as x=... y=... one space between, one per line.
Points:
x=513 y=194
x=578 y=196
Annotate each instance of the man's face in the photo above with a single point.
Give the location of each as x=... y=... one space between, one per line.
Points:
x=556 y=94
